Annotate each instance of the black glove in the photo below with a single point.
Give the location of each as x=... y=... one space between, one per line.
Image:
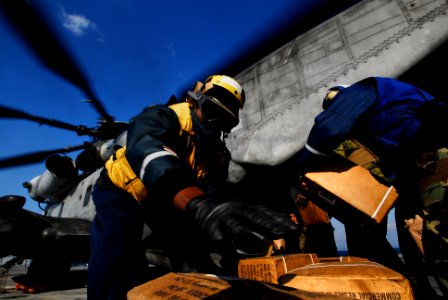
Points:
x=246 y=225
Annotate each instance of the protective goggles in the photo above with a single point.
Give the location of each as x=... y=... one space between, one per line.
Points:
x=215 y=113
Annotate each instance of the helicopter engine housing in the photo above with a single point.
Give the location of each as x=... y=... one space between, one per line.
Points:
x=55 y=183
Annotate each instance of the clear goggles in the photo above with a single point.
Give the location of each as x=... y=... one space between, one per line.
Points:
x=215 y=113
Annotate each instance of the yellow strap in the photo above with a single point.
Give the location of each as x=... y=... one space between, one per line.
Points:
x=122 y=175
x=183 y=112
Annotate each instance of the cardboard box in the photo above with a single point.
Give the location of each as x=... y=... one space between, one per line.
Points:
x=354 y=280
x=268 y=269
x=179 y=286
x=342 y=259
x=194 y=286
x=350 y=193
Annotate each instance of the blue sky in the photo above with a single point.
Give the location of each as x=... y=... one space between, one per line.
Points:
x=135 y=52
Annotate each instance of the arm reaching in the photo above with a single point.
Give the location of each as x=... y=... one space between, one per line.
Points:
x=238 y=221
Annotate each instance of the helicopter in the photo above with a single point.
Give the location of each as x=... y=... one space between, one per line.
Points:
x=66 y=194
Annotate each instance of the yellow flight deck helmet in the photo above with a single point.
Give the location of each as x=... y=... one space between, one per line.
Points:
x=220 y=99
x=227 y=83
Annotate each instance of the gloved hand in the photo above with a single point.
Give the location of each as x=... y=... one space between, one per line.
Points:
x=239 y=221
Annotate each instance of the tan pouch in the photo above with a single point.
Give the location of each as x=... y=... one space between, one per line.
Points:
x=415 y=227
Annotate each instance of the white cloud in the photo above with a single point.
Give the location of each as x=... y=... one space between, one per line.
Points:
x=170 y=47
x=76 y=23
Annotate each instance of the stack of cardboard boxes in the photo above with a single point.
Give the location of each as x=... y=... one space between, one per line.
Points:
x=293 y=276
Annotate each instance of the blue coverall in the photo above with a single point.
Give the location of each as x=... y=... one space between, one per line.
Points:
x=384 y=114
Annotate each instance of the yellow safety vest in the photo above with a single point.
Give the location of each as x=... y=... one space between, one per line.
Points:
x=121 y=173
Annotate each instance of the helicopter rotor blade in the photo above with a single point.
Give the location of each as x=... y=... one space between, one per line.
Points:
x=7 y=112
x=36 y=31
x=36 y=157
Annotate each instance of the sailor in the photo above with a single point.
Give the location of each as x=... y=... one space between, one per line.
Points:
x=172 y=176
x=396 y=121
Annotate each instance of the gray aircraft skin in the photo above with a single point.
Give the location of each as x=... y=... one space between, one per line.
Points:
x=285 y=88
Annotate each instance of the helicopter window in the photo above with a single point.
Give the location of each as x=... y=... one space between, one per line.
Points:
x=87 y=196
